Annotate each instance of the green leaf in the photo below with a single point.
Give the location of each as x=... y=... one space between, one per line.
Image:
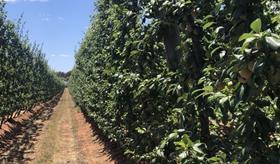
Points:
x=207 y=25
x=197 y=149
x=273 y=42
x=215 y=50
x=186 y=139
x=256 y=26
x=197 y=91
x=183 y=155
x=181 y=144
x=222 y=54
x=173 y=136
x=128 y=152
x=223 y=100
x=208 y=17
x=134 y=52
x=245 y=36
x=182 y=98
x=160 y=153
x=178 y=110
x=214 y=159
x=215 y=96
x=247 y=43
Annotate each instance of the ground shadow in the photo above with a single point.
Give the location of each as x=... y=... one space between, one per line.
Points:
x=113 y=148
x=17 y=144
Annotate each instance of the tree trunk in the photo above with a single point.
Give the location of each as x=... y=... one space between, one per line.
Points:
x=198 y=54
x=204 y=123
x=171 y=36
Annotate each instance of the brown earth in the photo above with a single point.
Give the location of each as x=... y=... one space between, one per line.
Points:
x=55 y=135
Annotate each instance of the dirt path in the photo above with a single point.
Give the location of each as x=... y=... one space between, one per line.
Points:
x=64 y=137
x=17 y=138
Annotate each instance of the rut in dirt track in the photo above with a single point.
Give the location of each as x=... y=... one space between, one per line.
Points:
x=64 y=138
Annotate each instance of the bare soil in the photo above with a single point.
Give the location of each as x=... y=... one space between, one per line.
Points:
x=58 y=134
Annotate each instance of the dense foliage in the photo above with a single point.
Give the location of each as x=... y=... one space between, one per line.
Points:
x=25 y=78
x=184 y=81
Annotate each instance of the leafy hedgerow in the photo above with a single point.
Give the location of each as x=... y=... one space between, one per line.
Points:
x=184 y=81
x=25 y=78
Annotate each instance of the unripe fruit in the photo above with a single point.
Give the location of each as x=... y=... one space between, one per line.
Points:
x=242 y=80
x=245 y=73
x=230 y=83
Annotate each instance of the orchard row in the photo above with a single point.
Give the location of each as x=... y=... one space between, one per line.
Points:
x=25 y=78
x=184 y=81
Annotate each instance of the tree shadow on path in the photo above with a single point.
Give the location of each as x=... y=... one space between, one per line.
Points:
x=114 y=150
x=17 y=144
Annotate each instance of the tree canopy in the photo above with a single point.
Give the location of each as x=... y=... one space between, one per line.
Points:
x=184 y=81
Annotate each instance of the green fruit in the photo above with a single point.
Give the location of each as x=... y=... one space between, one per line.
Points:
x=230 y=83
x=245 y=73
x=242 y=80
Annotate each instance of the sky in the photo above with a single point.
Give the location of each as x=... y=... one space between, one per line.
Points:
x=59 y=25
